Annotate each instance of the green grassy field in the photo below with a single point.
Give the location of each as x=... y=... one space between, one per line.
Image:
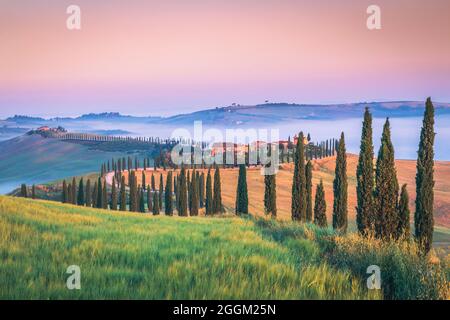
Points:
x=137 y=256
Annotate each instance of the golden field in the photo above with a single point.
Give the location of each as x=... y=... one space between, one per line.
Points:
x=324 y=169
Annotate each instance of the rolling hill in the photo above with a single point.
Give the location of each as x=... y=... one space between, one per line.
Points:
x=34 y=159
x=140 y=256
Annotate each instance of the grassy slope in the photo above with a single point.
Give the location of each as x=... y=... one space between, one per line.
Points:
x=33 y=159
x=141 y=256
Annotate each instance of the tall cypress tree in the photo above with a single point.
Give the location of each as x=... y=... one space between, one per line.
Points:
x=144 y=185
x=217 y=197
x=189 y=187
x=176 y=180
x=133 y=192
x=33 y=192
x=194 y=195
x=161 y=191
x=23 y=190
x=182 y=211
x=74 y=191
x=423 y=216
x=104 y=196
x=403 y=229
x=142 y=201
x=113 y=204
x=298 y=206
x=65 y=194
x=309 y=206
x=69 y=193
x=155 y=203
x=241 y=191
x=168 y=203
x=94 y=195
x=80 y=198
x=270 y=195
x=201 y=192
x=320 y=206
x=340 y=213
x=99 y=202
x=365 y=218
x=386 y=188
x=88 y=196
x=153 y=182
x=123 y=195
x=209 y=197
x=149 y=199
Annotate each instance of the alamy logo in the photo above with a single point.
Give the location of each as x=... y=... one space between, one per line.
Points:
x=74 y=280
x=374 y=20
x=374 y=280
x=73 y=22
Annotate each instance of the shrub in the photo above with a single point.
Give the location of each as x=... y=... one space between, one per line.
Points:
x=405 y=274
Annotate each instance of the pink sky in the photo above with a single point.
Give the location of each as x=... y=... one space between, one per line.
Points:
x=170 y=56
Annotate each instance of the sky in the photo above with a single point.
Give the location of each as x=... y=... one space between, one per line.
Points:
x=175 y=56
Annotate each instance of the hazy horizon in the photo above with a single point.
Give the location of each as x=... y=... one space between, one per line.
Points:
x=189 y=110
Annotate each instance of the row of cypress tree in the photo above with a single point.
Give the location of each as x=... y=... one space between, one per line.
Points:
x=184 y=192
x=381 y=211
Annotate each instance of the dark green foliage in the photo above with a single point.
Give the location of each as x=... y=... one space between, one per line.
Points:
x=69 y=193
x=217 y=197
x=386 y=188
x=182 y=189
x=340 y=213
x=320 y=206
x=142 y=201
x=168 y=203
x=241 y=191
x=23 y=191
x=209 y=197
x=270 y=194
x=193 y=194
x=33 y=192
x=104 y=196
x=308 y=176
x=113 y=204
x=161 y=190
x=80 y=198
x=123 y=195
x=99 y=202
x=95 y=195
x=155 y=203
x=403 y=229
x=149 y=199
x=423 y=217
x=88 y=196
x=65 y=193
x=153 y=182
x=74 y=191
x=365 y=213
x=270 y=187
x=133 y=192
x=298 y=207
x=144 y=185
x=201 y=190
